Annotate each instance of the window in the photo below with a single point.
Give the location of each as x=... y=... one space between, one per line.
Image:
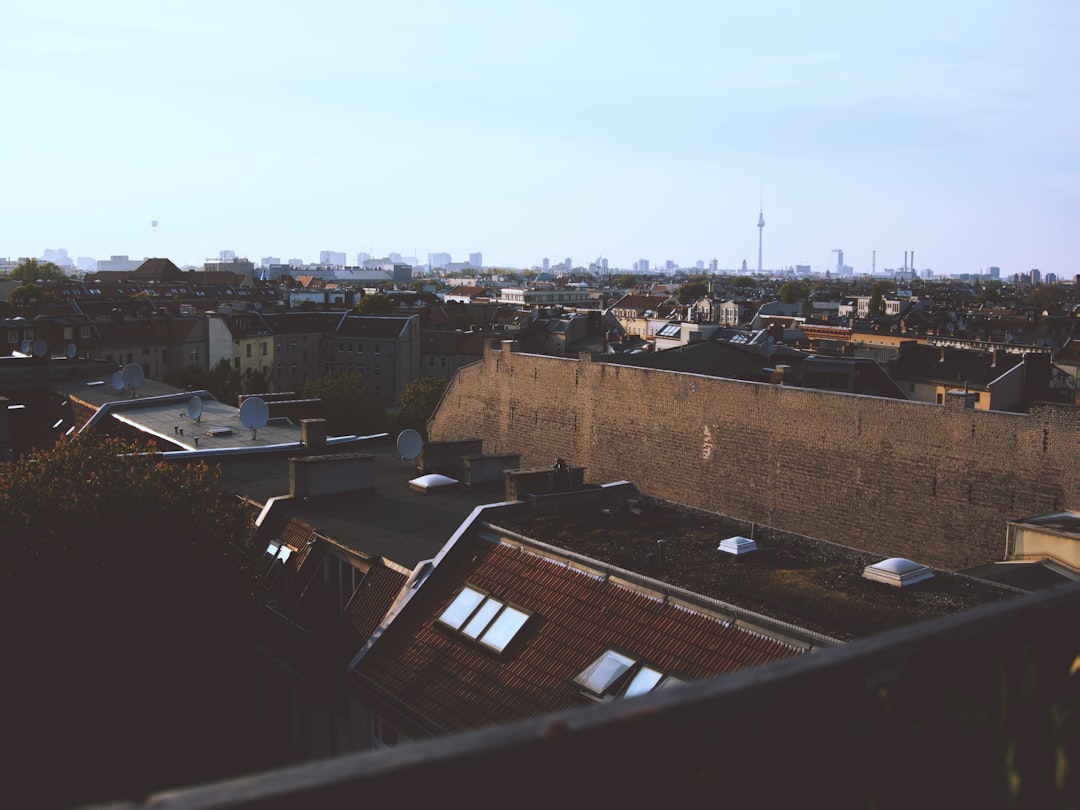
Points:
x=69 y=332
x=249 y=350
x=265 y=349
x=483 y=618
x=614 y=675
x=12 y=335
x=236 y=362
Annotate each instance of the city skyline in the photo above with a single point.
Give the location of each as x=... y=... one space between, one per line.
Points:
x=622 y=131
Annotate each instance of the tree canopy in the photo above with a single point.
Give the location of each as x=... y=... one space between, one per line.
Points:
x=375 y=304
x=1045 y=295
x=346 y=404
x=31 y=270
x=132 y=579
x=418 y=402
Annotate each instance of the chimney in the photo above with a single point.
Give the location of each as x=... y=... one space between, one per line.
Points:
x=313 y=433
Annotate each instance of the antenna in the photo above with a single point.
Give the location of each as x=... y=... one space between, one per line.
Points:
x=194 y=408
x=132 y=376
x=409 y=444
x=253 y=414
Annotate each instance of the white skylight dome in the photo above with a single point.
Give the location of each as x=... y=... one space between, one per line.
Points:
x=737 y=545
x=898 y=571
x=433 y=482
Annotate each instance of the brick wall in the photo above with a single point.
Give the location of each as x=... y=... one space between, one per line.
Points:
x=935 y=483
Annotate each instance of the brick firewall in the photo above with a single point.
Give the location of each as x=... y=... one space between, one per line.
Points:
x=935 y=483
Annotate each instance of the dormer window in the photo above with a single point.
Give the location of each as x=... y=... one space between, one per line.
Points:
x=614 y=675
x=483 y=618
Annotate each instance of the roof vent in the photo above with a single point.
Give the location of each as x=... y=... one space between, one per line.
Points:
x=898 y=572
x=737 y=545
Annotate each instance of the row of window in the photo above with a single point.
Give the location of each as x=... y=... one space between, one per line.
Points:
x=494 y=623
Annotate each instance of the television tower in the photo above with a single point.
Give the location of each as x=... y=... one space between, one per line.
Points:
x=760 y=231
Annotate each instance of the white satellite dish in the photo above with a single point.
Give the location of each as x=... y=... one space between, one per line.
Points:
x=132 y=375
x=70 y=351
x=194 y=408
x=39 y=348
x=118 y=381
x=409 y=444
x=253 y=414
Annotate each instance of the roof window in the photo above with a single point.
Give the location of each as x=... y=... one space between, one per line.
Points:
x=614 y=675
x=483 y=618
x=898 y=572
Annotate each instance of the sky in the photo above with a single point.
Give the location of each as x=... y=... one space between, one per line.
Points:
x=624 y=130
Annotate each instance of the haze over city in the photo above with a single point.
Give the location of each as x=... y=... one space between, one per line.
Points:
x=623 y=130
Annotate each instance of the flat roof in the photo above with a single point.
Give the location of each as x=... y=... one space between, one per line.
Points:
x=394 y=521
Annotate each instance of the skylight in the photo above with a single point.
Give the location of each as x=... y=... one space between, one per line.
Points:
x=483 y=618
x=615 y=675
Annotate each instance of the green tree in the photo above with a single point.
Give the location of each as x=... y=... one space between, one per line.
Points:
x=693 y=290
x=223 y=381
x=376 y=304
x=792 y=291
x=346 y=404
x=31 y=270
x=990 y=292
x=418 y=402
x=878 y=291
x=626 y=281
x=743 y=282
x=30 y=293
x=1045 y=295
x=138 y=573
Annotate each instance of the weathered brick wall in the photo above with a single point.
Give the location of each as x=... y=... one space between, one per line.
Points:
x=935 y=483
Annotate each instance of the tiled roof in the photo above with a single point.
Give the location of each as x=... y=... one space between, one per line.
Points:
x=371 y=600
x=451 y=683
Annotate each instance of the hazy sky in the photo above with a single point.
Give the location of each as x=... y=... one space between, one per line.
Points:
x=563 y=129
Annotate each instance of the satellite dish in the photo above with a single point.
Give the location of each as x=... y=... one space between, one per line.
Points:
x=409 y=444
x=25 y=347
x=70 y=351
x=39 y=348
x=194 y=408
x=253 y=414
x=118 y=381
x=132 y=375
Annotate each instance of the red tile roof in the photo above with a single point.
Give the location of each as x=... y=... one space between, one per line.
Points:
x=450 y=683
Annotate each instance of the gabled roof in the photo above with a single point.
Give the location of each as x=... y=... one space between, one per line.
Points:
x=371 y=326
x=448 y=682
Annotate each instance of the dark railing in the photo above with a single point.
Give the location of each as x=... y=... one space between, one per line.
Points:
x=980 y=709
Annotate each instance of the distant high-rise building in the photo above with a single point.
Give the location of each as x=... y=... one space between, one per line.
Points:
x=713 y=265
x=476 y=259
x=641 y=266
x=269 y=260
x=760 y=232
x=59 y=257
x=227 y=255
x=332 y=258
x=438 y=260
x=1034 y=276
x=699 y=264
x=567 y=264
x=296 y=262
x=546 y=264
x=86 y=263
x=669 y=265
x=994 y=272
x=1051 y=278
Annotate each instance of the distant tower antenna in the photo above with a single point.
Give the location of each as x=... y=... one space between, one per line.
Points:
x=760 y=229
